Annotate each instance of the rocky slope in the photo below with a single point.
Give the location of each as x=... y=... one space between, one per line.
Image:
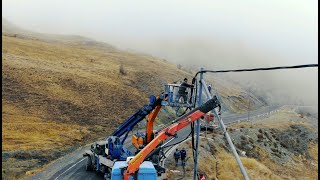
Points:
x=281 y=146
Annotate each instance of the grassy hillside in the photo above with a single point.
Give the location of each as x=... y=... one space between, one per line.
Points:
x=75 y=85
x=57 y=95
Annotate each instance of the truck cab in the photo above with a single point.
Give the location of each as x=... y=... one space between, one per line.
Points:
x=99 y=159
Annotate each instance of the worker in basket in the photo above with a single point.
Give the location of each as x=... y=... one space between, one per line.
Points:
x=183 y=90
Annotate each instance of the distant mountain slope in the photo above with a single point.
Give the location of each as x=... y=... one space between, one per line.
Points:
x=10 y=29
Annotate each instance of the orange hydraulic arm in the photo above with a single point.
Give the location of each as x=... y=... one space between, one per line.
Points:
x=138 y=140
x=149 y=128
x=168 y=132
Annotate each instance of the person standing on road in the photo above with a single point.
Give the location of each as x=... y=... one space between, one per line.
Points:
x=183 y=155
x=176 y=156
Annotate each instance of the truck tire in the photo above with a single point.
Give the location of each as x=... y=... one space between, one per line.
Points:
x=155 y=159
x=107 y=175
x=89 y=164
x=103 y=169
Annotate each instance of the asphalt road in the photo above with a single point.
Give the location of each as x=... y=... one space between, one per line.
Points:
x=72 y=166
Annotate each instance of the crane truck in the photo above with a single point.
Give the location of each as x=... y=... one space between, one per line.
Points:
x=102 y=156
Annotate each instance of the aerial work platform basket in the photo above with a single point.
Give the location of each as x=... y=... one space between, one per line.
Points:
x=179 y=96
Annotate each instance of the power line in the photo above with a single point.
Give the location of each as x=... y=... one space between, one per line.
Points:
x=253 y=69
x=260 y=69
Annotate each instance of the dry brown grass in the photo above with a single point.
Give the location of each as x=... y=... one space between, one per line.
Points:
x=32 y=133
x=229 y=169
x=46 y=79
x=313 y=150
x=208 y=168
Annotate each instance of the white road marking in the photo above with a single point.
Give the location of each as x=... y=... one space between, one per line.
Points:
x=167 y=142
x=69 y=168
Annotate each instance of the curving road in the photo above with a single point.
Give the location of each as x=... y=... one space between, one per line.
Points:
x=72 y=166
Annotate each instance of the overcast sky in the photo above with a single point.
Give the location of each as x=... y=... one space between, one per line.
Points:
x=209 y=33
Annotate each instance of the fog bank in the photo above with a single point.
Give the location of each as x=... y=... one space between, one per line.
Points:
x=211 y=34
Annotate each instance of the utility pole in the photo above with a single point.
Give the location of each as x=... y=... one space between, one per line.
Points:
x=206 y=120
x=249 y=105
x=195 y=170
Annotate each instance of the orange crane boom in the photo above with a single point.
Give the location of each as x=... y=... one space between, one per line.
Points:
x=149 y=128
x=137 y=141
x=168 y=132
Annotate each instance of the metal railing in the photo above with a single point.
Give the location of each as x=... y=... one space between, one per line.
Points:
x=176 y=99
